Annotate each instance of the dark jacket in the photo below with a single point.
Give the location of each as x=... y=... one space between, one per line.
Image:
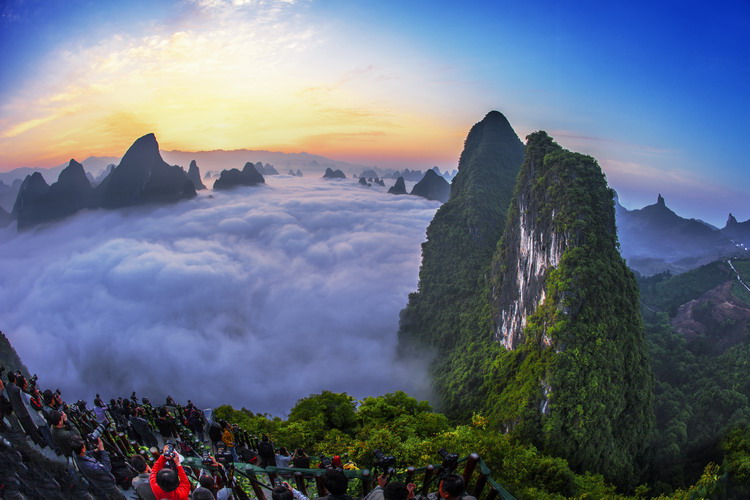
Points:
x=95 y=466
x=143 y=429
x=142 y=487
x=64 y=437
x=16 y=400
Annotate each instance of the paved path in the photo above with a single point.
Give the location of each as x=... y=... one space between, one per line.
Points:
x=739 y=278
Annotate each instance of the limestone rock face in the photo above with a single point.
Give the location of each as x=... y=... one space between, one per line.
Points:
x=399 y=187
x=432 y=187
x=562 y=291
x=194 y=174
x=144 y=177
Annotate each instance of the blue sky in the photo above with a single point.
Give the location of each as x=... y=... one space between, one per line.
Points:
x=658 y=92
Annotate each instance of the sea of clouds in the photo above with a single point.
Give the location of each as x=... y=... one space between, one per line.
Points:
x=254 y=297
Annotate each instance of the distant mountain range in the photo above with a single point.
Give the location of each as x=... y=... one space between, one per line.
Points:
x=654 y=239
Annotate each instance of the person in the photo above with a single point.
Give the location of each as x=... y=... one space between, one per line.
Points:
x=16 y=382
x=266 y=452
x=201 y=493
x=63 y=434
x=300 y=460
x=165 y=423
x=143 y=429
x=336 y=484
x=34 y=405
x=100 y=410
x=227 y=437
x=141 y=483
x=6 y=408
x=283 y=458
x=195 y=419
x=285 y=492
x=169 y=482
x=95 y=466
x=451 y=487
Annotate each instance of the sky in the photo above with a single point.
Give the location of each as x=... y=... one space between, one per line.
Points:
x=658 y=92
x=255 y=296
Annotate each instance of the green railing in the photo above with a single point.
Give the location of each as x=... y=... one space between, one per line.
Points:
x=476 y=484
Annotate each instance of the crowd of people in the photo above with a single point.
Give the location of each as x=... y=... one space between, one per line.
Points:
x=131 y=449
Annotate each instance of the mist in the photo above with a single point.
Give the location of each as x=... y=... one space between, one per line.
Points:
x=254 y=297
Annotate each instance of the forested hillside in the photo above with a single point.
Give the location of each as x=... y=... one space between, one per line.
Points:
x=702 y=390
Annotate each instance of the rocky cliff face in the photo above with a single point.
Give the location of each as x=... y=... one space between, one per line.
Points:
x=577 y=380
x=445 y=313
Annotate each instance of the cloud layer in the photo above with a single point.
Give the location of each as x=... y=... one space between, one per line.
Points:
x=254 y=297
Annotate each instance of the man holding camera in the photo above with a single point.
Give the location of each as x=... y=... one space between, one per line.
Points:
x=168 y=479
x=95 y=466
x=62 y=433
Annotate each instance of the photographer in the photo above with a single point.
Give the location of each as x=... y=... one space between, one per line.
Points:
x=141 y=483
x=95 y=466
x=143 y=429
x=391 y=491
x=451 y=487
x=63 y=434
x=336 y=484
x=227 y=437
x=266 y=452
x=300 y=460
x=168 y=479
x=16 y=382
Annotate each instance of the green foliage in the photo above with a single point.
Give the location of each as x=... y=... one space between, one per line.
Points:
x=699 y=395
x=671 y=292
x=408 y=429
x=736 y=445
x=446 y=314
x=332 y=410
x=579 y=384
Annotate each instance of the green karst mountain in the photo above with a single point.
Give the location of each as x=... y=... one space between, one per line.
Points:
x=460 y=242
x=575 y=379
x=530 y=312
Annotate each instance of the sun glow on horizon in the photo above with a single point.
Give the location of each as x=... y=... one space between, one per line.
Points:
x=224 y=76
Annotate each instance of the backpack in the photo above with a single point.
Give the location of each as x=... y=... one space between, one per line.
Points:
x=214 y=432
x=265 y=449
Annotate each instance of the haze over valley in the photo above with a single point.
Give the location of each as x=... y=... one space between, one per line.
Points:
x=251 y=295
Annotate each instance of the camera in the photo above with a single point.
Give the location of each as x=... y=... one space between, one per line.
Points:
x=169 y=452
x=450 y=461
x=386 y=463
x=96 y=434
x=223 y=456
x=206 y=459
x=325 y=462
x=278 y=482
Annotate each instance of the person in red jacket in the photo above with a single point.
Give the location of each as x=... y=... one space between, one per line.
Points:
x=169 y=483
